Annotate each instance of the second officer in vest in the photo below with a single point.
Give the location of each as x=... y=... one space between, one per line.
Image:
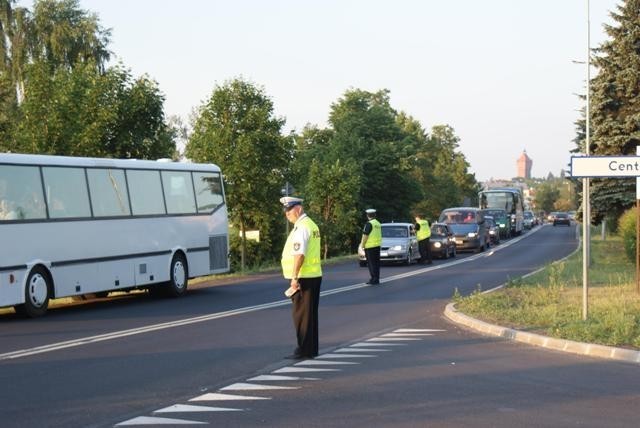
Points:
x=371 y=241
x=423 y=232
x=301 y=266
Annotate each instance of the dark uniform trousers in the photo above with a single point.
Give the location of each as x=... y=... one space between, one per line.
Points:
x=305 y=316
x=425 y=250
x=373 y=262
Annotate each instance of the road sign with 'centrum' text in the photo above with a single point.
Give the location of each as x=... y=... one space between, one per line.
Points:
x=605 y=166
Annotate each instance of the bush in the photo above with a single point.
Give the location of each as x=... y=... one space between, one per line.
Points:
x=627 y=231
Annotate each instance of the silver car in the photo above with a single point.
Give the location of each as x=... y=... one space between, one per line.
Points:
x=399 y=244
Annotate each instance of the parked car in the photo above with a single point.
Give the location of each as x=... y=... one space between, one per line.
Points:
x=561 y=218
x=502 y=220
x=529 y=219
x=493 y=230
x=399 y=244
x=443 y=244
x=468 y=227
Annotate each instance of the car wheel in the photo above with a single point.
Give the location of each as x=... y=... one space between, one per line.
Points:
x=453 y=251
x=409 y=258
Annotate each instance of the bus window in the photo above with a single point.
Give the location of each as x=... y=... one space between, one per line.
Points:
x=208 y=191
x=146 y=192
x=21 y=193
x=109 y=196
x=66 y=192
x=178 y=192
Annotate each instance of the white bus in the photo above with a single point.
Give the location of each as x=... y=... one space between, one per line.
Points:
x=74 y=226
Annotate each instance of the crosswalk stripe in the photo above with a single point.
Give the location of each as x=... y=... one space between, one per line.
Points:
x=240 y=386
x=416 y=330
x=364 y=344
x=339 y=355
x=384 y=339
x=214 y=396
x=184 y=408
x=151 y=420
x=406 y=334
x=347 y=350
x=322 y=363
x=276 y=377
x=304 y=370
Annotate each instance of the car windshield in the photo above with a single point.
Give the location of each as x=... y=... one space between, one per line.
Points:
x=458 y=216
x=461 y=228
x=439 y=231
x=395 y=232
x=561 y=215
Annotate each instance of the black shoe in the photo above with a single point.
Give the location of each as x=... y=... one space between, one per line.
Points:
x=373 y=282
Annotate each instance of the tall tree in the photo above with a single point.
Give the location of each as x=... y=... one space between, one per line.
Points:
x=615 y=106
x=237 y=130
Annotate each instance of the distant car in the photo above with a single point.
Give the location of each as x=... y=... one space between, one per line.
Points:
x=501 y=219
x=493 y=230
x=468 y=227
x=443 y=244
x=552 y=216
x=529 y=219
x=399 y=244
x=561 y=218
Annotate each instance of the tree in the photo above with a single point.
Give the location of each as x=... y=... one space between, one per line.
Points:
x=615 y=106
x=236 y=129
x=81 y=112
x=546 y=196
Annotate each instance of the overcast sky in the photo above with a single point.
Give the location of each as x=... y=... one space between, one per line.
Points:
x=499 y=72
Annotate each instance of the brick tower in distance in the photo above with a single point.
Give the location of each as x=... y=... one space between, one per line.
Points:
x=524 y=163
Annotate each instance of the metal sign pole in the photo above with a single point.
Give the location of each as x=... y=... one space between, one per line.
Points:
x=586 y=202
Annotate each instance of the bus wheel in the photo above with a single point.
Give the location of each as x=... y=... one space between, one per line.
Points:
x=36 y=293
x=179 y=276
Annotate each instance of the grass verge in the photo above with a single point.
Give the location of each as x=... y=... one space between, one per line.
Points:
x=550 y=302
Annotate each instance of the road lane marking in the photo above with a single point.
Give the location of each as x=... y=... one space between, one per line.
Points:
x=270 y=378
x=323 y=363
x=150 y=420
x=214 y=396
x=340 y=355
x=303 y=370
x=347 y=350
x=241 y=386
x=187 y=408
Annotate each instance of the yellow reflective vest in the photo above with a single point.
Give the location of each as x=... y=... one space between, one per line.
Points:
x=425 y=230
x=375 y=237
x=311 y=266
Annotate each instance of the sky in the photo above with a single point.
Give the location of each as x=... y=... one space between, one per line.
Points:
x=500 y=72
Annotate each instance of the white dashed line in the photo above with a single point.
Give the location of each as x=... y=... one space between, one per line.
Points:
x=150 y=420
x=214 y=396
x=253 y=387
x=304 y=370
x=331 y=356
x=322 y=363
x=276 y=377
x=186 y=408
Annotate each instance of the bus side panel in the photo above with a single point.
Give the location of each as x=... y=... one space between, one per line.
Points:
x=114 y=275
x=150 y=270
x=74 y=279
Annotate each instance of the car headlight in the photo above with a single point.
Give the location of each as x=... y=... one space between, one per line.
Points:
x=492 y=232
x=502 y=225
x=437 y=244
x=397 y=248
x=472 y=234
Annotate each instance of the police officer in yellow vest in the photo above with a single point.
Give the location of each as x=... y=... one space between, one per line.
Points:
x=371 y=241
x=423 y=232
x=301 y=266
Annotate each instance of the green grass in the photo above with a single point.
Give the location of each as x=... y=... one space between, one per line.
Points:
x=550 y=302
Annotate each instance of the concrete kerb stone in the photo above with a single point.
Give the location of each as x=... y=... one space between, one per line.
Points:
x=590 y=349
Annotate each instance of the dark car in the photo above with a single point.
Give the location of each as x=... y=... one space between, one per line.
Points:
x=468 y=227
x=501 y=219
x=443 y=244
x=561 y=218
x=493 y=230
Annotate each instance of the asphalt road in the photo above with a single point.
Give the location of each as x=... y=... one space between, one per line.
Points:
x=389 y=358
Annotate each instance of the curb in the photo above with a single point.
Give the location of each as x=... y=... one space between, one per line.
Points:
x=590 y=349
